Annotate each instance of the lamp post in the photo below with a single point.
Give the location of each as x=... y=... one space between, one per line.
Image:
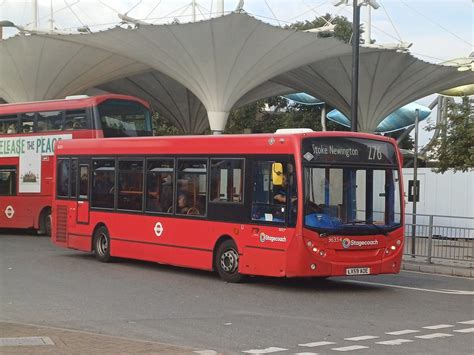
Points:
x=355 y=53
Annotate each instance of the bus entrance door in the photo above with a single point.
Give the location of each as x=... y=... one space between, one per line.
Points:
x=83 y=200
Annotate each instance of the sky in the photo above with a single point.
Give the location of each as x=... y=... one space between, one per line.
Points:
x=439 y=30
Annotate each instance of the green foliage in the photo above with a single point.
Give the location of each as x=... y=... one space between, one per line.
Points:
x=343 y=29
x=279 y=114
x=162 y=127
x=454 y=149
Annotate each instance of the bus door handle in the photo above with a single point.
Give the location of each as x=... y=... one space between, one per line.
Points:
x=255 y=232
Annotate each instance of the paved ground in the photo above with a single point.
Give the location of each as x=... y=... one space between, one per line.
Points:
x=59 y=290
x=62 y=341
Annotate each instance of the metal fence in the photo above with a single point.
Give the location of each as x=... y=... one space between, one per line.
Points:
x=439 y=237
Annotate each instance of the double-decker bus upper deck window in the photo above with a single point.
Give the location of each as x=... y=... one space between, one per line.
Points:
x=130 y=185
x=28 y=122
x=121 y=118
x=75 y=119
x=8 y=180
x=50 y=121
x=9 y=124
x=227 y=180
x=160 y=180
x=103 y=183
x=192 y=187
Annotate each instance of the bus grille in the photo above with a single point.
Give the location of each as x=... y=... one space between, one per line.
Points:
x=61 y=224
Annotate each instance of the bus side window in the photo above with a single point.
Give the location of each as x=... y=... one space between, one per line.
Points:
x=227 y=180
x=8 y=180
x=160 y=180
x=191 y=187
x=62 y=178
x=103 y=183
x=75 y=119
x=28 y=121
x=50 y=121
x=130 y=185
x=8 y=124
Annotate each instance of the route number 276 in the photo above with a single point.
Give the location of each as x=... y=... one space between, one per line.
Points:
x=375 y=153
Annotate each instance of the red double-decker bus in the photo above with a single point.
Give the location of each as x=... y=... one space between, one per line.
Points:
x=308 y=204
x=28 y=133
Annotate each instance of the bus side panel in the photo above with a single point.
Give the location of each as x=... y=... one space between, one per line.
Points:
x=182 y=242
x=265 y=249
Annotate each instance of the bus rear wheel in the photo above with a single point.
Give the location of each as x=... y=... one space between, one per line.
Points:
x=101 y=244
x=227 y=262
x=45 y=222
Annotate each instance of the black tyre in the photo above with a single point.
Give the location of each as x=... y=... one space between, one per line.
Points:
x=227 y=262
x=45 y=223
x=101 y=243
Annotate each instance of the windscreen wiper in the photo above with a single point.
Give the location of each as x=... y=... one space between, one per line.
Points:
x=370 y=223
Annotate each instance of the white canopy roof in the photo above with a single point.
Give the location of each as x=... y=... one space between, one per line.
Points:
x=223 y=63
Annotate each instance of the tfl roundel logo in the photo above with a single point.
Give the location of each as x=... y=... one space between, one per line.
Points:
x=346 y=243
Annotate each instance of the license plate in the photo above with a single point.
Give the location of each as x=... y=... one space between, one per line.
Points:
x=358 y=271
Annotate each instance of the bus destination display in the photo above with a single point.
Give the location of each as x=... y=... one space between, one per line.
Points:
x=348 y=150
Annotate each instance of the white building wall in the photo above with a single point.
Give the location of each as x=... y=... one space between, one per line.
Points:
x=449 y=194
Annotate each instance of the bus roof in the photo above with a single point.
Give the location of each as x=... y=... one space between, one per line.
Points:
x=196 y=145
x=64 y=104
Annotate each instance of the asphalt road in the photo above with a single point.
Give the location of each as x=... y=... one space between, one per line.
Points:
x=407 y=313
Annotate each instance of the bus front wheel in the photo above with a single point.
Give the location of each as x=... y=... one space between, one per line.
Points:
x=227 y=262
x=102 y=244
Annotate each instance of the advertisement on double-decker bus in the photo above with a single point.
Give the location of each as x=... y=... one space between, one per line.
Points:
x=30 y=150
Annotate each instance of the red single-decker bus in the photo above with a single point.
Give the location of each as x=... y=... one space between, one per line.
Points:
x=311 y=204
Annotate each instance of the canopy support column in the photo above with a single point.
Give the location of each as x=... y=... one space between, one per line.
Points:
x=217 y=121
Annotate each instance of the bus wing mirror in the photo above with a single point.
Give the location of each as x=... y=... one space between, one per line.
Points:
x=277 y=174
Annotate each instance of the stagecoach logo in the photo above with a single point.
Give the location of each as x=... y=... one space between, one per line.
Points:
x=9 y=211
x=347 y=243
x=267 y=238
x=158 y=229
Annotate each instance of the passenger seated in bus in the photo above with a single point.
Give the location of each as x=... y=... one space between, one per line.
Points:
x=12 y=129
x=183 y=207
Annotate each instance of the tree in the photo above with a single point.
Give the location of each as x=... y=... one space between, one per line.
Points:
x=162 y=127
x=343 y=29
x=454 y=149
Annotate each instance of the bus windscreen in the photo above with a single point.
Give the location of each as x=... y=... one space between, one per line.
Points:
x=351 y=185
x=121 y=118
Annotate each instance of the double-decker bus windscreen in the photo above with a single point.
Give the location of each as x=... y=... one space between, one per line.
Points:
x=351 y=186
x=120 y=118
